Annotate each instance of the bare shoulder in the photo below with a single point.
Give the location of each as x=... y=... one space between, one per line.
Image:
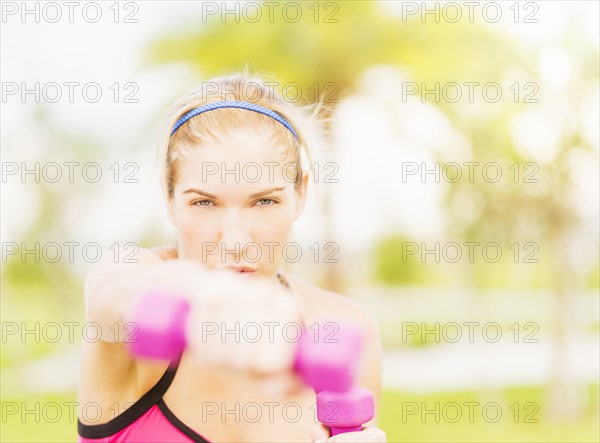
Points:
x=164 y=252
x=318 y=304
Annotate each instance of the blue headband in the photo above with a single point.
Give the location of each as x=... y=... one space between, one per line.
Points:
x=232 y=104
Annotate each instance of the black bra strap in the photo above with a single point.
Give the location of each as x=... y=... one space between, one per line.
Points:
x=136 y=410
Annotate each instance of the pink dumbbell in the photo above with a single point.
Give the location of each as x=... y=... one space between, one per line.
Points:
x=345 y=411
x=327 y=365
x=160 y=321
x=328 y=362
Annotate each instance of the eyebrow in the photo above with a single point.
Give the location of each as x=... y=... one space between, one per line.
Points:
x=255 y=195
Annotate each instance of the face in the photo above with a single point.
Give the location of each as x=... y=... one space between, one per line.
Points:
x=234 y=204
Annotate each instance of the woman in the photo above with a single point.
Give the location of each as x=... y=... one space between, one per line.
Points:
x=226 y=150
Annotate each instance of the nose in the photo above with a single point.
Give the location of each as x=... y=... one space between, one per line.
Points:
x=235 y=235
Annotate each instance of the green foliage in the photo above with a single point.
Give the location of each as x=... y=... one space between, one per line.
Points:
x=33 y=307
x=528 y=408
x=516 y=267
x=344 y=40
x=51 y=419
x=393 y=266
x=17 y=272
x=593 y=279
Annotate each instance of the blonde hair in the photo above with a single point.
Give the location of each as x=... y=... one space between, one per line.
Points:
x=211 y=126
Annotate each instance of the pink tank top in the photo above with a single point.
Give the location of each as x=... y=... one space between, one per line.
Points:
x=149 y=420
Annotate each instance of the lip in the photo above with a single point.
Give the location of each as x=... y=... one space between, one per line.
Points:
x=241 y=269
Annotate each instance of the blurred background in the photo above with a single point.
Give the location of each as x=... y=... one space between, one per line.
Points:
x=457 y=200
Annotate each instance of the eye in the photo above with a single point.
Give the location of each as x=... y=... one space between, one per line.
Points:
x=272 y=202
x=201 y=203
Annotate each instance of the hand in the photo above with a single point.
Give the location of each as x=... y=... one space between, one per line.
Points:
x=260 y=320
x=321 y=433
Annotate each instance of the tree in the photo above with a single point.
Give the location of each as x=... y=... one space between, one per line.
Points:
x=357 y=35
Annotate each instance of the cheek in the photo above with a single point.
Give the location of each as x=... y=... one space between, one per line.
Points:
x=274 y=227
x=193 y=233
x=193 y=228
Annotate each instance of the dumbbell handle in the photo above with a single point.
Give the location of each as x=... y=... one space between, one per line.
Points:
x=336 y=431
x=327 y=367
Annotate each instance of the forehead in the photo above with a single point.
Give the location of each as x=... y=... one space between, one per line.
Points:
x=247 y=158
x=242 y=146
